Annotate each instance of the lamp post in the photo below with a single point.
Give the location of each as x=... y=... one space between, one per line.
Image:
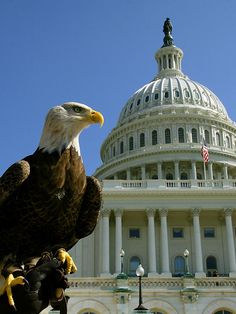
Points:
x=122 y=254
x=122 y=275
x=140 y=273
x=186 y=256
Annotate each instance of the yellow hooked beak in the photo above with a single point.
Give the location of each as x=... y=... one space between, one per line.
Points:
x=97 y=117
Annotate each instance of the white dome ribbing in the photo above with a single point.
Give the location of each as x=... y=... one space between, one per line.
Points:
x=171 y=88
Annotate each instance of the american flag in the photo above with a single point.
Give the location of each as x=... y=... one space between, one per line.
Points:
x=204 y=152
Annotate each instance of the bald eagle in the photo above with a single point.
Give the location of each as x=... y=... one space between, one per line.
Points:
x=46 y=201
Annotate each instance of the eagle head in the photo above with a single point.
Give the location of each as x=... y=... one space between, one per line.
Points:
x=63 y=125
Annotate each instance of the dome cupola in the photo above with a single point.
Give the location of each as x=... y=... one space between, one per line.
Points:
x=169 y=57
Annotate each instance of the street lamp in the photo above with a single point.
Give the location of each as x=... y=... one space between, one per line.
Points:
x=122 y=254
x=122 y=275
x=187 y=272
x=140 y=273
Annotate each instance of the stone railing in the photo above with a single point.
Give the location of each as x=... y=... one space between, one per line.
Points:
x=92 y=282
x=152 y=283
x=157 y=282
x=168 y=184
x=215 y=282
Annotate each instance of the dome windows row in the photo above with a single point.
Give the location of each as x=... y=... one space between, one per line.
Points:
x=154 y=140
x=134 y=105
x=167 y=135
x=172 y=91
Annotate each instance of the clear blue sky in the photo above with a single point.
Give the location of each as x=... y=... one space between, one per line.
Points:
x=100 y=52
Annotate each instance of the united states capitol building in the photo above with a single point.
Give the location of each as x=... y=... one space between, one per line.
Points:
x=159 y=199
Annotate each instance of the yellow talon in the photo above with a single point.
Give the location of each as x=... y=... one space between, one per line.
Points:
x=63 y=256
x=8 y=284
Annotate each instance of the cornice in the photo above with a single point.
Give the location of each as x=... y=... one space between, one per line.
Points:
x=215 y=193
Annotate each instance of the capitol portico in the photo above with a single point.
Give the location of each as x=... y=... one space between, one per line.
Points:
x=159 y=199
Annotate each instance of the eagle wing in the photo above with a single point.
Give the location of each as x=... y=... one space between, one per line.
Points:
x=14 y=176
x=90 y=208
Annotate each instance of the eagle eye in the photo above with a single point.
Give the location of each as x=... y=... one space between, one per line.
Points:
x=77 y=109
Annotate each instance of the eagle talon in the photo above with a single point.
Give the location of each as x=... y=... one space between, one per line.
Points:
x=8 y=284
x=64 y=257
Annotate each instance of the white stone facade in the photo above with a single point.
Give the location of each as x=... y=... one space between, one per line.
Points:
x=159 y=198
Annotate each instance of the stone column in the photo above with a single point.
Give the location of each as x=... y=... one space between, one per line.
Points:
x=194 y=174
x=128 y=176
x=226 y=172
x=176 y=170
x=197 y=243
x=230 y=241
x=159 y=170
x=105 y=213
x=165 y=265
x=210 y=169
x=194 y=170
x=143 y=172
x=118 y=240
x=152 y=268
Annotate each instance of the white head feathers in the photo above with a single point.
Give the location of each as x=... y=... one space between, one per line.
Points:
x=63 y=125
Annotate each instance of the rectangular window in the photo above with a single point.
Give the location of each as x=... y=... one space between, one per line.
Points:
x=178 y=232
x=134 y=233
x=209 y=232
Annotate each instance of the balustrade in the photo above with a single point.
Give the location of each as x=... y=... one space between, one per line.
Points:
x=163 y=184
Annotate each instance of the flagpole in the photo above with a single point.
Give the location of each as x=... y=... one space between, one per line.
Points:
x=204 y=167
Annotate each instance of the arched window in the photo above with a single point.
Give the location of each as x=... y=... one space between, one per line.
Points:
x=87 y=312
x=142 y=140
x=131 y=143
x=223 y=312
x=114 y=151
x=207 y=136
x=218 y=139
x=153 y=311
x=181 y=135
x=211 y=265
x=177 y=94
x=133 y=265
x=187 y=94
x=194 y=135
x=121 y=147
x=167 y=136
x=179 y=265
x=154 y=137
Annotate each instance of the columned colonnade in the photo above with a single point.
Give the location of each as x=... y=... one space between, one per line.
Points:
x=193 y=171
x=165 y=261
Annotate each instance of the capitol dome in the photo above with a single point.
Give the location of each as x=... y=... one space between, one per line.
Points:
x=165 y=120
x=170 y=89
